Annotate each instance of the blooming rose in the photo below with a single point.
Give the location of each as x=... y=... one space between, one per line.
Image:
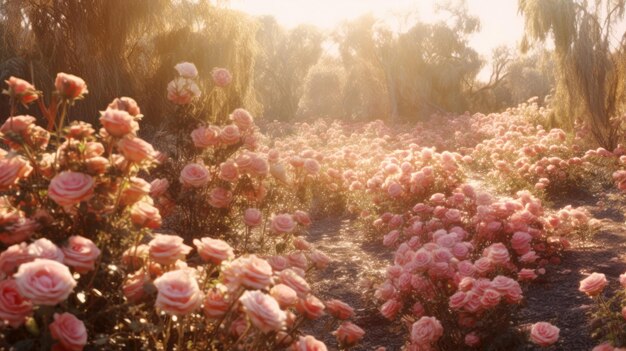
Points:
x=187 y=70
x=339 y=309
x=133 y=287
x=182 y=91
x=214 y=250
x=544 y=334
x=242 y=119
x=118 y=123
x=263 y=311
x=194 y=175
x=145 y=215
x=290 y=278
x=230 y=135
x=158 y=187
x=178 y=292
x=221 y=77
x=126 y=104
x=285 y=295
x=593 y=284
x=311 y=307
x=252 y=217
x=69 y=188
x=282 y=223
x=80 y=254
x=17 y=124
x=204 y=137
x=426 y=330
x=136 y=149
x=135 y=190
x=167 y=249
x=348 y=334
x=302 y=218
x=14 y=308
x=215 y=303
x=308 y=343
x=220 y=198
x=44 y=248
x=44 y=282
x=319 y=259
x=70 y=86
x=252 y=272
x=11 y=170
x=22 y=90
x=229 y=171
x=69 y=331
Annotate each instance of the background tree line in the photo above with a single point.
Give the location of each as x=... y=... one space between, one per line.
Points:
x=363 y=69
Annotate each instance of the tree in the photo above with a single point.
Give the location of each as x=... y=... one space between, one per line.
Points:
x=589 y=83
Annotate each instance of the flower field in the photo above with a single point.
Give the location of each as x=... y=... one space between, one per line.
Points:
x=222 y=232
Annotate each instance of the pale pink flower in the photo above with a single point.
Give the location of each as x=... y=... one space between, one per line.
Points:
x=285 y=295
x=230 y=135
x=544 y=334
x=294 y=281
x=308 y=343
x=594 y=284
x=178 y=292
x=348 y=334
x=44 y=282
x=69 y=86
x=282 y=223
x=263 y=311
x=18 y=124
x=135 y=189
x=204 y=137
x=44 y=248
x=144 y=214
x=242 y=119
x=167 y=249
x=69 y=188
x=80 y=254
x=181 y=91
x=229 y=171
x=311 y=307
x=220 y=198
x=133 y=287
x=426 y=330
x=194 y=175
x=251 y=272
x=252 y=217
x=21 y=90
x=390 y=309
x=214 y=250
x=339 y=309
x=136 y=149
x=69 y=331
x=14 y=308
x=186 y=70
x=158 y=187
x=221 y=77
x=118 y=123
x=12 y=169
x=126 y=104
x=215 y=304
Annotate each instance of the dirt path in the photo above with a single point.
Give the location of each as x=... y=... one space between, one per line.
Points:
x=356 y=260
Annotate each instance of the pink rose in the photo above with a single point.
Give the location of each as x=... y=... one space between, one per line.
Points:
x=229 y=171
x=308 y=343
x=311 y=307
x=311 y=166
x=158 y=187
x=220 y=198
x=14 y=308
x=118 y=123
x=294 y=281
x=81 y=254
x=13 y=257
x=97 y=165
x=251 y=272
x=215 y=303
x=302 y=218
x=348 y=334
x=18 y=124
x=194 y=175
x=44 y=282
x=252 y=217
x=285 y=295
x=282 y=223
x=133 y=287
x=242 y=119
x=186 y=70
x=69 y=331
x=594 y=284
x=204 y=137
x=263 y=311
x=490 y=298
x=472 y=340
x=214 y=250
x=44 y=248
x=390 y=309
x=136 y=149
x=126 y=104
x=221 y=77
x=177 y=292
x=135 y=190
x=426 y=330
x=145 y=215
x=259 y=167
x=544 y=334
x=278 y=171
x=12 y=169
x=167 y=249
x=319 y=259
x=497 y=253
x=69 y=188
x=230 y=135
x=339 y=309
x=70 y=86
x=181 y=91
x=22 y=90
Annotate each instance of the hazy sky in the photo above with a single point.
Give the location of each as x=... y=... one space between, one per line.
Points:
x=500 y=22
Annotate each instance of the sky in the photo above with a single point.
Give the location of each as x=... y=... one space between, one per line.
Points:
x=500 y=21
